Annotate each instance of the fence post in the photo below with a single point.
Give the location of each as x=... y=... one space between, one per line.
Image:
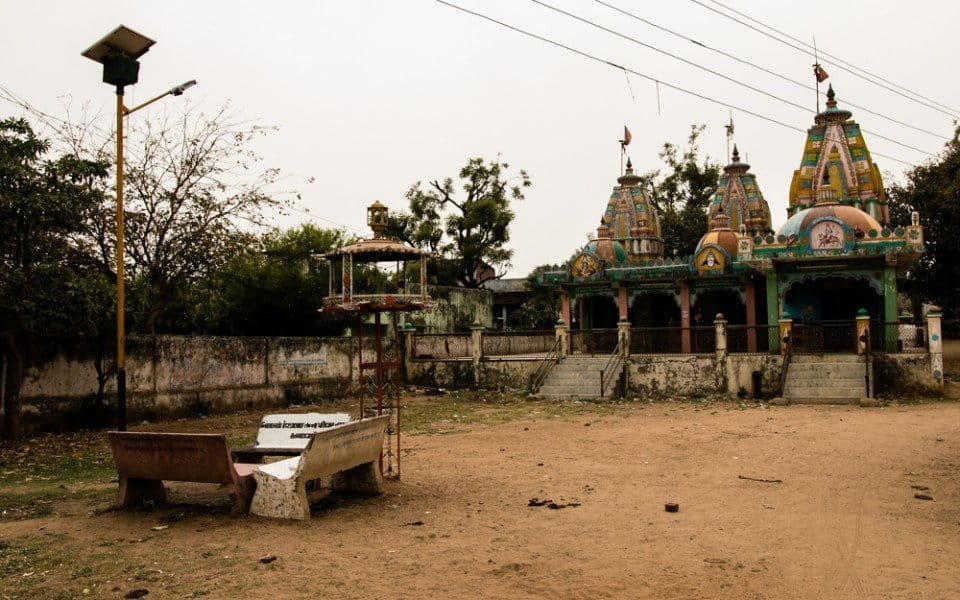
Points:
x=476 y=349
x=935 y=343
x=562 y=332
x=720 y=328
x=863 y=330
x=407 y=331
x=720 y=324
x=623 y=338
x=786 y=331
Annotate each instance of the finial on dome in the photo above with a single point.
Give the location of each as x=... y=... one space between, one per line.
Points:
x=736 y=154
x=831 y=97
x=629 y=165
x=721 y=220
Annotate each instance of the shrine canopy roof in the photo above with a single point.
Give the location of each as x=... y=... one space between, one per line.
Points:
x=378 y=250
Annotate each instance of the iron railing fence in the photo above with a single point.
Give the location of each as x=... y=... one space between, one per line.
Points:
x=752 y=338
x=824 y=337
x=441 y=345
x=670 y=340
x=898 y=336
x=513 y=343
x=593 y=341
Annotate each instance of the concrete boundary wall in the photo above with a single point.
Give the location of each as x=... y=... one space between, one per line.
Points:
x=171 y=376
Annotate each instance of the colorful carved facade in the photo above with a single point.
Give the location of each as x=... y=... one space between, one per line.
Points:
x=739 y=198
x=836 y=256
x=836 y=157
x=631 y=219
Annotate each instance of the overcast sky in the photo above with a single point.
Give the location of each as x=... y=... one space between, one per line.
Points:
x=371 y=96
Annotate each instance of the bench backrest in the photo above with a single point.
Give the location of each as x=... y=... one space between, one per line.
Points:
x=343 y=447
x=294 y=431
x=199 y=457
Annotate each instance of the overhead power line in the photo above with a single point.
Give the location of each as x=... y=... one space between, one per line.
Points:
x=643 y=75
x=838 y=63
x=836 y=58
x=754 y=65
x=712 y=71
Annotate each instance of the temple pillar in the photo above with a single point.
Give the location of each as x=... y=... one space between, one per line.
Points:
x=863 y=330
x=751 y=298
x=685 y=317
x=476 y=349
x=890 y=307
x=935 y=344
x=562 y=331
x=622 y=302
x=785 y=330
x=773 y=309
x=565 y=307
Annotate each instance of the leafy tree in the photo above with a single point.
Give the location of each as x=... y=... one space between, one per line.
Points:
x=43 y=204
x=683 y=193
x=470 y=230
x=274 y=288
x=193 y=187
x=531 y=317
x=933 y=190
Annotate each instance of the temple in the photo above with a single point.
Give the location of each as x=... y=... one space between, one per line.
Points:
x=837 y=257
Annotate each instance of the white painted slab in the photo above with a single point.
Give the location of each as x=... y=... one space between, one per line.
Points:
x=295 y=430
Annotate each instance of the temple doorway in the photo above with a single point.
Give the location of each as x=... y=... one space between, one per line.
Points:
x=707 y=304
x=824 y=312
x=831 y=299
x=655 y=309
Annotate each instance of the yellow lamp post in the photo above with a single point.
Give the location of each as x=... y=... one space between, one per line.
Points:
x=118 y=52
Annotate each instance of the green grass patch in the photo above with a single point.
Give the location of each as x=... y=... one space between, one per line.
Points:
x=42 y=501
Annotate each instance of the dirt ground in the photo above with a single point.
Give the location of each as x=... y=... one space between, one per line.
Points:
x=841 y=522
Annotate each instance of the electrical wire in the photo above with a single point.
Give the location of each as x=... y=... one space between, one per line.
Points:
x=743 y=61
x=836 y=58
x=643 y=75
x=713 y=72
x=837 y=64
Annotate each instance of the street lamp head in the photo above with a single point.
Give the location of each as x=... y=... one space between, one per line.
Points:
x=182 y=87
x=118 y=52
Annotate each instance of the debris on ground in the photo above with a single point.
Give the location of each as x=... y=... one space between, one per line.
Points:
x=538 y=502
x=922 y=488
x=671 y=507
x=760 y=480
x=412 y=524
x=923 y=496
x=268 y=558
x=137 y=593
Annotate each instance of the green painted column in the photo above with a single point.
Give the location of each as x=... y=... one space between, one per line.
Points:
x=890 y=307
x=773 y=312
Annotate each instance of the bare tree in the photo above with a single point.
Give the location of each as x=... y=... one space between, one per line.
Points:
x=194 y=190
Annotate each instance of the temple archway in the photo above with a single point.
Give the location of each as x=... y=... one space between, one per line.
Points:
x=655 y=309
x=832 y=298
x=707 y=304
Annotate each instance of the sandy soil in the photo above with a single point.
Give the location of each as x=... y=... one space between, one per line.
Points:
x=843 y=523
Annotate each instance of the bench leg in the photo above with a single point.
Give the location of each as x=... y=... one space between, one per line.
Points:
x=363 y=479
x=135 y=491
x=242 y=494
x=280 y=498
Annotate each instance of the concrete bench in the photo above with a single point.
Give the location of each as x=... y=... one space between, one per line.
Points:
x=145 y=460
x=349 y=453
x=287 y=435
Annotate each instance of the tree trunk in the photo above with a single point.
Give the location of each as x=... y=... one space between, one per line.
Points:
x=13 y=380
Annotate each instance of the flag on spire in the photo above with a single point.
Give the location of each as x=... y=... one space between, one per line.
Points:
x=626 y=137
x=729 y=126
x=820 y=73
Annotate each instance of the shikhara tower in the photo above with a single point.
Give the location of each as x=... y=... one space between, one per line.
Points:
x=836 y=156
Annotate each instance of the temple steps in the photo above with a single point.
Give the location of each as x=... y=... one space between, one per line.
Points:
x=574 y=378
x=826 y=379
